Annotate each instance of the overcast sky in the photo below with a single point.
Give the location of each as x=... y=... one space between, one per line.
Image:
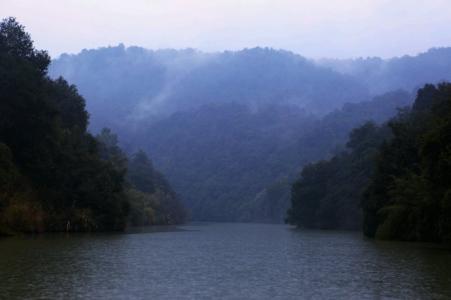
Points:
x=313 y=28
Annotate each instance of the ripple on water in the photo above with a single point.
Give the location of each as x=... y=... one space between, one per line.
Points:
x=229 y=261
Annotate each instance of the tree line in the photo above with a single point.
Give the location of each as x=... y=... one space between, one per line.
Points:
x=393 y=181
x=55 y=175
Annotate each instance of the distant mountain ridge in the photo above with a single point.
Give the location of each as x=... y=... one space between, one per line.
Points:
x=132 y=84
x=232 y=130
x=405 y=72
x=135 y=83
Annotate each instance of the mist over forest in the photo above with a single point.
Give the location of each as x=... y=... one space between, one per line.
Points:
x=232 y=130
x=239 y=150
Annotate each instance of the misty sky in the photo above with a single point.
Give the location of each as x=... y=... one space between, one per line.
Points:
x=313 y=28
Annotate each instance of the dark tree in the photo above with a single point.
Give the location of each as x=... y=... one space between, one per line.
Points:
x=409 y=197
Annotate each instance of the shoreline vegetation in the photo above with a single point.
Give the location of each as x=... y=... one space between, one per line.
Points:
x=393 y=181
x=54 y=175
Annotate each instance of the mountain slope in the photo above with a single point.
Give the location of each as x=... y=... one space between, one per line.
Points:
x=232 y=130
x=131 y=85
x=232 y=164
x=406 y=72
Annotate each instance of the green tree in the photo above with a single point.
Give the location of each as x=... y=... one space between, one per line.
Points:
x=141 y=173
x=328 y=193
x=52 y=174
x=408 y=198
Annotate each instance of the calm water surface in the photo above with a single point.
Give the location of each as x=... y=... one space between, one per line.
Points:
x=221 y=261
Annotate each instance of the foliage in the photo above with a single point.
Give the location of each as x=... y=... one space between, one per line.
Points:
x=399 y=172
x=54 y=175
x=328 y=193
x=226 y=160
x=405 y=72
x=225 y=128
x=128 y=87
x=152 y=199
x=409 y=195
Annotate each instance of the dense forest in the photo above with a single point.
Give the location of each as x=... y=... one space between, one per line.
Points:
x=129 y=86
x=329 y=192
x=392 y=180
x=406 y=72
x=134 y=85
x=234 y=164
x=409 y=196
x=232 y=130
x=54 y=175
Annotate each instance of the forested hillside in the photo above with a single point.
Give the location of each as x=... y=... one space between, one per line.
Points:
x=328 y=193
x=231 y=130
x=128 y=86
x=221 y=156
x=230 y=163
x=406 y=72
x=54 y=175
x=392 y=180
x=409 y=197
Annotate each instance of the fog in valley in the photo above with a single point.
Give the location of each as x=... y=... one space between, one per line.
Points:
x=232 y=130
x=226 y=149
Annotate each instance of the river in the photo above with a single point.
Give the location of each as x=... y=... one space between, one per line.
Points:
x=221 y=261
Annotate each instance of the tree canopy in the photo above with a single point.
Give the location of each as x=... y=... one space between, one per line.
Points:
x=396 y=175
x=54 y=175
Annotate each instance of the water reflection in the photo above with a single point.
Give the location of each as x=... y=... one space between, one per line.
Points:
x=237 y=261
